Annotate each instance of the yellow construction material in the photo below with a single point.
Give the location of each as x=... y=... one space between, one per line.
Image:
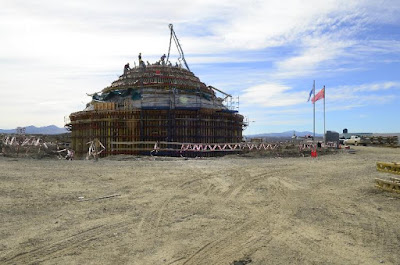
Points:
x=392 y=185
x=393 y=167
x=104 y=106
x=392 y=141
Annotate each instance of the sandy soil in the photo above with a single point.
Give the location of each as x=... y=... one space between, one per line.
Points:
x=230 y=210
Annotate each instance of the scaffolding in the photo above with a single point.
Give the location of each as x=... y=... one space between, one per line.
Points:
x=136 y=131
x=155 y=104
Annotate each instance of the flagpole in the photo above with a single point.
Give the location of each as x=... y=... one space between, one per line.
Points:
x=324 y=118
x=314 y=111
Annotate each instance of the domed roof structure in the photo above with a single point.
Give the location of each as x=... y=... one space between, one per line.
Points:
x=155 y=103
x=159 y=86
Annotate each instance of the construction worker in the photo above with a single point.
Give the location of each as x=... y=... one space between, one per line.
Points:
x=141 y=63
x=163 y=59
x=126 y=68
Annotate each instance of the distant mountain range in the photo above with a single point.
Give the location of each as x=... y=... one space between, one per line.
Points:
x=52 y=129
x=282 y=134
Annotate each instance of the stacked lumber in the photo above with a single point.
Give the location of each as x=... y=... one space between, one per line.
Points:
x=392 y=141
x=392 y=184
x=393 y=167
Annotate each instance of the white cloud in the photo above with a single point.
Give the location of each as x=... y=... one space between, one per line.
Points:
x=354 y=90
x=317 y=55
x=62 y=49
x=381 y=46
x=355 y=96
x=273 y=104
x=272 y=95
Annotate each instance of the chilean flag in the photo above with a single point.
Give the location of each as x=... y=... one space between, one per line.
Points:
x=309 y=96
x=319 y=95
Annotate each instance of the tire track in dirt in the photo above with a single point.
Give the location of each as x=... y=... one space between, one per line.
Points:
x=144 y=224
x=246 y=182
x=209 y=189
x=79 y=240
x=375 y=232
x=232 y=245
x=352 y=229
x=204 y=186
x=151 y=220
x=150 y=223
x=308 y=241
x=240 y=178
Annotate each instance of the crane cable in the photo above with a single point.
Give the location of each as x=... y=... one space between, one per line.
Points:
x=178 y=46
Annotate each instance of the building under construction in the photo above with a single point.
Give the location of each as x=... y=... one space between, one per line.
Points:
x=155 y=103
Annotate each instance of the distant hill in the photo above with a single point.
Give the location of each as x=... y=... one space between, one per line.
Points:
x=51 y=129
x=282 y=134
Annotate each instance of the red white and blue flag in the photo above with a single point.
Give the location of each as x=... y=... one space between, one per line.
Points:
x=311 y=92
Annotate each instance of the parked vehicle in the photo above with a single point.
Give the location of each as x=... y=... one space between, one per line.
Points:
x=356 y=140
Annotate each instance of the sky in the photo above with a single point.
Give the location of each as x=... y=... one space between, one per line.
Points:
x=265 y=53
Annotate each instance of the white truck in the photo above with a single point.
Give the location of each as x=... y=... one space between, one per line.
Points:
x=356 y=140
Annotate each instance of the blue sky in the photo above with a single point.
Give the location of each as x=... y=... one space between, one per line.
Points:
x=266 y=52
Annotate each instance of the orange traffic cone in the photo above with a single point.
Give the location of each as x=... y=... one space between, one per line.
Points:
x=313 y=153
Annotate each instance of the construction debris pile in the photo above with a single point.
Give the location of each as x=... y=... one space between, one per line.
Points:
x=155 y=103
x=33 y=147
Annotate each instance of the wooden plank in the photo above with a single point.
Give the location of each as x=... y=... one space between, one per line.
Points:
x=395 y=179
x=100 y=198
x=393 y=168
x=387 y=185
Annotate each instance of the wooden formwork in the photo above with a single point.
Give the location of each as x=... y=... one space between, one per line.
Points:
x=159 y=76
x=118 y=129
x=151 y=104
x=393 y=168
x=393 y=184
x=392 y=141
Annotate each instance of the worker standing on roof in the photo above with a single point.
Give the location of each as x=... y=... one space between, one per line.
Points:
x=141 y=63
x=163 y=59
x=126 y=68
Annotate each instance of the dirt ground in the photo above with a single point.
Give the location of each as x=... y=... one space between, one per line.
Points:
x=230 y=210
